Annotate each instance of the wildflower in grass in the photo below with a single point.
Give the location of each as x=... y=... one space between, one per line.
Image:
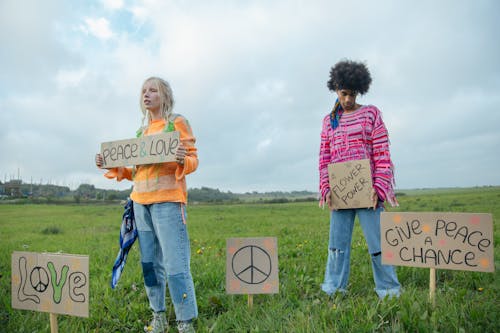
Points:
x=480 y=289
x=200 y=250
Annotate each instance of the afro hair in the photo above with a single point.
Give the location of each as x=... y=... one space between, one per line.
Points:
x=347 y=74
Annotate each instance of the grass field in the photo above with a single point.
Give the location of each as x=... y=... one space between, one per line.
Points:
x=465 y=301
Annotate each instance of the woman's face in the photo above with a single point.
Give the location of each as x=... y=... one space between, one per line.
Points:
x=151 y=96
x=347 y=99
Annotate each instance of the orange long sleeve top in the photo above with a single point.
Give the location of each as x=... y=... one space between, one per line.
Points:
x=161 y=182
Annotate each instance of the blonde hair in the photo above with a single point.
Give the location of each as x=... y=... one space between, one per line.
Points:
x=166 y=100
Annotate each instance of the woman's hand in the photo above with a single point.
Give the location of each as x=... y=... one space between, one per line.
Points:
x=329 y=201
x=98 y=161
x=374 y=199
x=181 y=154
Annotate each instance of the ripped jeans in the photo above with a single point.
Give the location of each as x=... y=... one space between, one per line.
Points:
x=339 y=251
x=165 y=257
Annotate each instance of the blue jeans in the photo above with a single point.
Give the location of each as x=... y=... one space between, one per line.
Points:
x=165 y=257
x=339 y=251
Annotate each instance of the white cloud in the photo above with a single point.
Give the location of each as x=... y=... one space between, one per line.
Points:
x=70 y=78
x=98 y=27
x=113 y=4
x=262 y=145
x=139 y=13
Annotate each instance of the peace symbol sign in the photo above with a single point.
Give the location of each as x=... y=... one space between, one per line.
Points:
x=39 y=279
x=251 y=264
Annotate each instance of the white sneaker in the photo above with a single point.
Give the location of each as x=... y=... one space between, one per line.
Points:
x=159 y=323
x=185 y=327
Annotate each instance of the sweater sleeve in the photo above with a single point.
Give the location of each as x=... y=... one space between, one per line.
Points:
x=324 y=160
x=119 y=173
x=188 y=140
x=383 y=173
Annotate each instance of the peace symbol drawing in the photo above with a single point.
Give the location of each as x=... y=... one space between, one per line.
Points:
x=39 y=279
x=256 y=264
x=252 y=265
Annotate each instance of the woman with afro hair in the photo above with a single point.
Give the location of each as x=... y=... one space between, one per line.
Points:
x=352 y=131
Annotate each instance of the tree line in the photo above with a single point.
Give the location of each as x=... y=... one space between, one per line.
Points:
x=89 y=193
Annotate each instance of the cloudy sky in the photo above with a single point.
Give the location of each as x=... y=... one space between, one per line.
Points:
x=251 y=78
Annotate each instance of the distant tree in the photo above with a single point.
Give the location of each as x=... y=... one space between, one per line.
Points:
x=86 y=191
x=206 y=194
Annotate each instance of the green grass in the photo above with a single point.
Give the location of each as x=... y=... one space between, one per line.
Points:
x=465 y=301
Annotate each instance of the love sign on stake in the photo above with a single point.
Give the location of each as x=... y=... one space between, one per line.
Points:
x=55 y=283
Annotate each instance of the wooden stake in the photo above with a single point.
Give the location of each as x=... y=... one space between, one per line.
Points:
x=250 y=301
x=432 y=286
x=53 y=323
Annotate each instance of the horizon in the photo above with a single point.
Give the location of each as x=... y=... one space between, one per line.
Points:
x=234 y=192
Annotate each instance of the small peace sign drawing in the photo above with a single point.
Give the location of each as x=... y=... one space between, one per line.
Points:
x=254 y=264
x=39 y=279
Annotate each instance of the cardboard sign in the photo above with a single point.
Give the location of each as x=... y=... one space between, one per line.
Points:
x=460 y=241
x=149 y=149
x=351 y=184
x=252 y=266
x=55 y=283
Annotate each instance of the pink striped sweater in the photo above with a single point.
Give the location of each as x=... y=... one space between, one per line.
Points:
x=361 y=134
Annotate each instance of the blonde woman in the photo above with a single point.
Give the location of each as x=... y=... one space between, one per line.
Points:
x=160 y=196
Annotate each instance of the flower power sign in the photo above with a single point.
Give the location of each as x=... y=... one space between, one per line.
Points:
x=51 y=282
x=459 y=241
x=351 y=184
